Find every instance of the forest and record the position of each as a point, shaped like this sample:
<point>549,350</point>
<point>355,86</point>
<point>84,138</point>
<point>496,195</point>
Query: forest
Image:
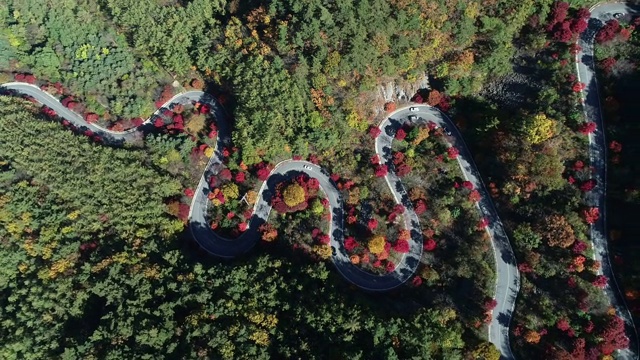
<point>94,237</point>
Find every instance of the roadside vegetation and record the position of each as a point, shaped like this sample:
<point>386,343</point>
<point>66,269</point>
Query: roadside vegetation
<point>301,81</point>
<point>619,79</point>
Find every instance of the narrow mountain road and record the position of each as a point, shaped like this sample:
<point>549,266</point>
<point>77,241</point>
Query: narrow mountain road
<point>585,68</point>
<point>228,248</point>
<point>507,274</point>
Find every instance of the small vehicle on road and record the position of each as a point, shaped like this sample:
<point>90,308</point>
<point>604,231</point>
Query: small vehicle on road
<point>618,15</point>
<point>446,130</point>
<point>306,167</point>
<point>412,118</point>
<point>413,109</point>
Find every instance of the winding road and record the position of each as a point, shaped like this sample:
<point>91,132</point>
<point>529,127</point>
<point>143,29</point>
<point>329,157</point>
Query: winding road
<point>507,275</point>
<point>507,281</point>
<point>585,68</point>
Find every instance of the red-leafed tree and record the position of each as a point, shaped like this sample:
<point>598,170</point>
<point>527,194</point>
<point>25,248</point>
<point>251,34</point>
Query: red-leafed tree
<point>263,170</point>
<point>420,207</point>
<point>189,192</point>
<point>374,131</point>
<point>434,97</point>
<point>137,121</point>
<point>587,128</point>
<point>324,239</point>
<point>165,95</point>
<point>429,245</point>
<point>372,224</point>
<point>240,177</point>
<point>400,134</point>
<point>401,246</point>
<point>381,170</point>
<point>615,146</point>
<point>474,196</point>
<point>350,243</point>
<point>579,247</point>
<point>375,159</point>
<point>558,14</point>
<point>29,79</point>
<point>614,337</point>
<point>91,117</point>
<point>600,281</point>
<point>225,174</point>
<point>563,32</point>
<point>579,86</point>
<point>588,185</point>
<point>591,215</point>
<point>578,26</point>
<point>183,212</point>
<point>608,31</point>
<point>390,106</point>
<point>403,170</point>
<point>398,158</point>
<point>158,123</point>
<point>563,324</point>
<point>608,63</point>
<point>453,153</point>
<point>197,83</point>
<point>490,304</point>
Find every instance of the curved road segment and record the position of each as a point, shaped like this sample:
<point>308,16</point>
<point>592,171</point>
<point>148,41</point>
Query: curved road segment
<point>507,281</point>
<point>585,67</point>
<point>507,274</point>
<point>227,248</point>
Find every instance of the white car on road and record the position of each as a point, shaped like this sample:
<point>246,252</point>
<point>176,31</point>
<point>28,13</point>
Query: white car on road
<point>306,167</point>
<point>413,109</point>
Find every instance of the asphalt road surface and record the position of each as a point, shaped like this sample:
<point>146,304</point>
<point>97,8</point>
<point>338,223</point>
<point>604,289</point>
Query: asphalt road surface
<point>585,69</point>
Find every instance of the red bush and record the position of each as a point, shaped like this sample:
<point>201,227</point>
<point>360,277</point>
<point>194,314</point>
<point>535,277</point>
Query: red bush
<point>608,31</point>
<point>563,324</point>
<point>429,245</point>
<point>381,170</point>
<point>189,192</point>
<point>615,146</point>
<point>579,86</point>
<point>401,246</point>
<point>225,174</point>
<point>372,224</point>
<point>420,207</point>
<point>588,185</point>
<point>350,243</point>
<point>374,131</point>
<point>390,106</point>
<point>490,304</point>
<point>401,134</point>
<point>600,281</point>
<point>587,128</point>
<point>591,215</point>
<point>453,153</point>
<point>403,170</point>
<point>240,177</point>
<point>390,266</point>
